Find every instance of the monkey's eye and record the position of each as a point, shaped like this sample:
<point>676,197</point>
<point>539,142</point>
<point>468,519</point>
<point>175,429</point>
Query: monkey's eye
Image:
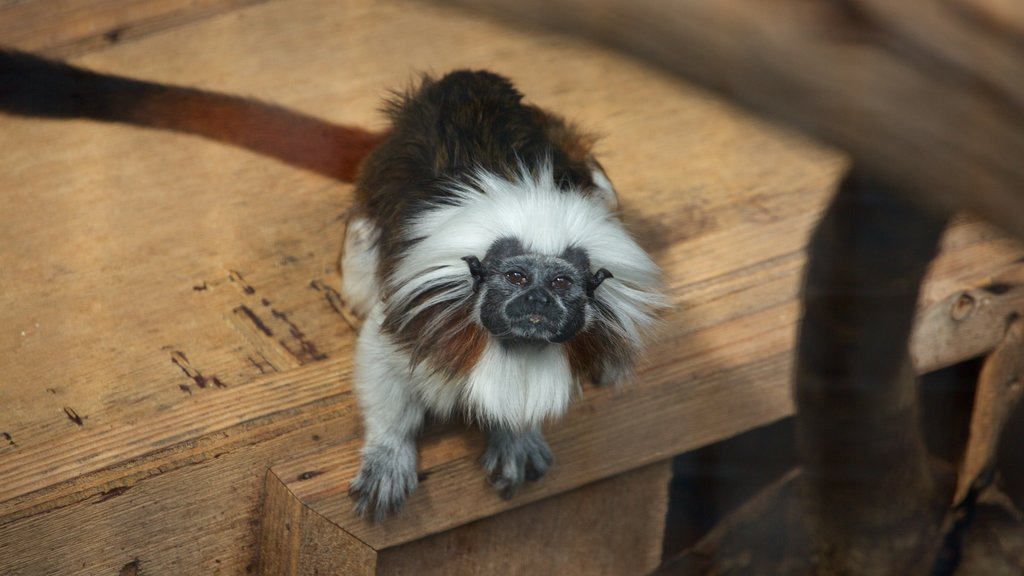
<point>516,277</point>
<point>561,283</point>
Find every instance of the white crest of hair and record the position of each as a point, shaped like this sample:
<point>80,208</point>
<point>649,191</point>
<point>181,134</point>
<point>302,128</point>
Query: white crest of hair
<point>545,220</point>
<point>519,388</point>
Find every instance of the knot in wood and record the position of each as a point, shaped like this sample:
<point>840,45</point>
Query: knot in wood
<point>962,307</point>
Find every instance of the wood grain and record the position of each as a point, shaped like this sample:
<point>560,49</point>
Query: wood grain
<point>969,322</point>
<point>130,258</point>
<point>607,528</point>
<point>295,540</point>
<point>998,393</point>
<point>613,526</point>
<point>67,27</point>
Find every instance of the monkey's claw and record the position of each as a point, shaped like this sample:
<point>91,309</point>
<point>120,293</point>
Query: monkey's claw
<point>511,459</point>
<point>383,482</point>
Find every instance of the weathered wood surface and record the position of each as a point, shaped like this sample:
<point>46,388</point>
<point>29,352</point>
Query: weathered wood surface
<point>170,325</point>
<point>613,526</point>
<point>67,27</point>
<point>926,94</point>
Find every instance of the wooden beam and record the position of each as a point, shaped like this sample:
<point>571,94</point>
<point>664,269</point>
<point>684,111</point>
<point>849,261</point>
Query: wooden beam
<point>609,527</point>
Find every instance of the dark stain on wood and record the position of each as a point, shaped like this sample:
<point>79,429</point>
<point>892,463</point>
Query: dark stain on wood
<point>308,350</point>
<point>73,416</point>
<point>112,493</point>
<point>8,438</point>
<point>200,287</point>
<point>331,295</point>
<point>309,474</point>
<point>997,288</point>
<point>185,388</point>
<point>237,277</point>
<point>179,359</point>
<point>130,569</point>
<point>262,365</point>
<point>256,320</point>
<point>113,35</point>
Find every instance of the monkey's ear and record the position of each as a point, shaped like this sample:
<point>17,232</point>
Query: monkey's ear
<point>476,270</point>
<point>603,188</point>
<point>594,281</point>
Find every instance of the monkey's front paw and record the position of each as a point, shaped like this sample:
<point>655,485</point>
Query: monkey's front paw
<point>511,459</point>
<point>383,482</point>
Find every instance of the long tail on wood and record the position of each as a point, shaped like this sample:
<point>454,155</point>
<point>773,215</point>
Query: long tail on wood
<point>37,87</point>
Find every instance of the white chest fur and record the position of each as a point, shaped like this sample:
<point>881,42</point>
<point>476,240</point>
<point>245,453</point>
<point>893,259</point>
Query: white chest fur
<point>519,387</point>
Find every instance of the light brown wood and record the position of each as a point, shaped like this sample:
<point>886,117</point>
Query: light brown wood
<point>936,31</point>
<point>613,526</point>
<point>969,322</point>
<point>1005,15</point>
<point>949,136</point>
<point>295,540</point>
<point>67,27</point>
<point>999,390</point>
<point>130,258</point>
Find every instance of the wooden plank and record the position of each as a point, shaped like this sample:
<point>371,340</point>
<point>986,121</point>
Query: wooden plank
<point>193,509</point>
<point>614,526</point>
<point>677,407</point>
<point>94,207</point>
<point>607,528</point>
<point>295,540</point>
<point>67,27</point>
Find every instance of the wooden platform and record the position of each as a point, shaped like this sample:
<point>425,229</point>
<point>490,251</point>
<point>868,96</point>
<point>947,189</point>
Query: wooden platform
<point>173,361</point>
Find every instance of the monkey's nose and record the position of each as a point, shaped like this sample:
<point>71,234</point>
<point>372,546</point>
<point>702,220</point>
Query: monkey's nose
<point>538,296</point>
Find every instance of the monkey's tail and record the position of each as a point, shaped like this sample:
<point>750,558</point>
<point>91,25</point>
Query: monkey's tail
<point>34,86</point>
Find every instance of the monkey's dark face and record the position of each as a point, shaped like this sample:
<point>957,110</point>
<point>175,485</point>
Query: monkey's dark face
<point>525,296</point>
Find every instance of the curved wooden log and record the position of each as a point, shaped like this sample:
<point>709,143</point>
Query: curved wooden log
<point>918,118</point>
<point>872,506</point>
<point>943,34</point>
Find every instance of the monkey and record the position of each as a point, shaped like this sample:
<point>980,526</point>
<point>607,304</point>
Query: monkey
<point>484,250</point>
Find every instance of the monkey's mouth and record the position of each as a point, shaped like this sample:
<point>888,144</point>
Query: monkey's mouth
<point>534,326</point>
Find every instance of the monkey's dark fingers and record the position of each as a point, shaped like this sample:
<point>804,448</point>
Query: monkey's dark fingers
<point>511,459</point>
<point>381,488</point>
<point>538,461</point>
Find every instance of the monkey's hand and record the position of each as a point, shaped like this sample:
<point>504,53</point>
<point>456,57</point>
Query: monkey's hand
<point>387,476</point>
<point>513,457</point>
